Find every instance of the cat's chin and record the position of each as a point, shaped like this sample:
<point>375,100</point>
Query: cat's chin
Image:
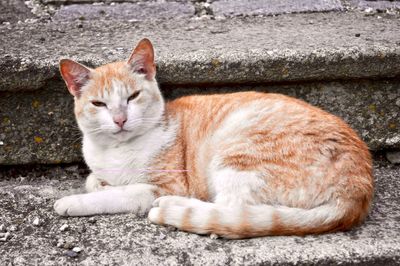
<point>123,135</point>
<point>121,132</point>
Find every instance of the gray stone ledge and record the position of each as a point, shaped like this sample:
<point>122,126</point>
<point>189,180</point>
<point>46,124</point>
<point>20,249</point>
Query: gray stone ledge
<point>272,7</point>
<point>14,10</point>
<point>126,11</point>
<point>39,126</point>
<point>293,47</point>
<point>129,240</point>
<point>380,5</point>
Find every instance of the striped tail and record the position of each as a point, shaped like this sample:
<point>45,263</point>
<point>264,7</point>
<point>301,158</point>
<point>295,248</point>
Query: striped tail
<point>200,217</point>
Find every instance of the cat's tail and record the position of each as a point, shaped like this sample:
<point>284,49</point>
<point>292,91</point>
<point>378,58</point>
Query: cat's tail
<point>255,220</point>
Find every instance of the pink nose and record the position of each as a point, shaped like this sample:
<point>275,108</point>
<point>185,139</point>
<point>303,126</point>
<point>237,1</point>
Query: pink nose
<point>120,120</point>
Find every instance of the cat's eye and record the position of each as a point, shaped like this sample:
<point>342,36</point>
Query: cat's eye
<point>134,96</point>
<point>141,70</point>
<point>99,104</point>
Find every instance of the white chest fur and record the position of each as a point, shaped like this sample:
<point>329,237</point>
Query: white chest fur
<point>126,162</point>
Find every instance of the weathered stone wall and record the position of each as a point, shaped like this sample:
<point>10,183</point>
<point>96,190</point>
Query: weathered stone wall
<point>39,127</point>
<point>345,61</point>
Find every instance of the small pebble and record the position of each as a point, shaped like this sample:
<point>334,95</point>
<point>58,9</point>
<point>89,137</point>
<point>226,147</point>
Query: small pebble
<point>162,236</point>
<point>68,245</point>
<point>12,228</point>
<point>398,102</point>
<point>1,143</point>
<point>77,249</point>
<point>71,254</point>
<point>393,157</point>
<point>64,227</point>
<point>170,228</point>
<point>4,236</point>
<point>369,10</point>
<point>36,221</point>
<point>213,236</point>
<point>60,243</point>
<point>72,168</point>
<point>2,228</point>
<point>357,34</point>
<point>92,220</point>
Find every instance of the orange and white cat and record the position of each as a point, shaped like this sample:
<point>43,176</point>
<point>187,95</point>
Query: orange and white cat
<point>237,165</point>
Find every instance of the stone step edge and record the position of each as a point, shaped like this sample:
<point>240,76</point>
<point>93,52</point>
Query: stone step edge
<point>251,67</point>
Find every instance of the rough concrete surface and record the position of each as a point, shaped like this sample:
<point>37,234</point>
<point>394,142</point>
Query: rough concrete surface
<point>375,5</point>
<point>67,2</point>
<point>13,11</point>
<point>201,48</point>
<point>36,236</point>
<point>48,132</point>
<point>294,47</point>
<point>393,157</point>
<point>125,11</point>
<point>272,7</point>
<point>372,108</point>
<point>38,127</point>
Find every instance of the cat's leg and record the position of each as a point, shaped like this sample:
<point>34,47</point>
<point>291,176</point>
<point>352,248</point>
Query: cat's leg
<point>232,191</point>
<point>136,198</point>
<point>240,210</point>
<point>229,187</point>
<point>187,214</point>
<point>94,184</point>
<point>235,188</point>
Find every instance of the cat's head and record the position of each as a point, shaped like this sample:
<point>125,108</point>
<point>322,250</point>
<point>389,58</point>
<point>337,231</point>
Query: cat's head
<point>117,101</point>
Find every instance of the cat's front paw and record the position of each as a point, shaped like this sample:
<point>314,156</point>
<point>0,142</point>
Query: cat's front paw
<point>69,206</point>
<point>170,209</point>
<point>171,200</point>
<point>94,184</point>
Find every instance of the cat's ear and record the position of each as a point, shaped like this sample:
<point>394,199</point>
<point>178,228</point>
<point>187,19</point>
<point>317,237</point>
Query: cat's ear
<point>142,59</point>
<point>75,75</point>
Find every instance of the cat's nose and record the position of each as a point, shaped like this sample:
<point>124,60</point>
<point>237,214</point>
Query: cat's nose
<point>120,120</point>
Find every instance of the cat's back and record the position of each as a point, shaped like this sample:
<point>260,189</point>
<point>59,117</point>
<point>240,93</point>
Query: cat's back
<point>209,105</point>
<point>255,118</point>
<point>247,108</point>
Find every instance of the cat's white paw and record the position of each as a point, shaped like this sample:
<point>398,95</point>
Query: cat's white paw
<point>171,200</point>
<point>93,184</point>
<point>70,206</point>
<point>154,216</point>
<point>167,208</point>
<point>170,209</point>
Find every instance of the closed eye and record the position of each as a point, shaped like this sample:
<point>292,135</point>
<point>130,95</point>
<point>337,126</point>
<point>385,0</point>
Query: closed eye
<point>133,96</point>
<point>99,104</point>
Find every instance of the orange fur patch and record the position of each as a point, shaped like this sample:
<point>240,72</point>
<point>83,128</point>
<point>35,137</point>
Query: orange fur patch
<point>314,142</point>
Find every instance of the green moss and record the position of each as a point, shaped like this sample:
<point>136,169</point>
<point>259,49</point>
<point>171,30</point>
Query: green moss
<point>216,63</point>
<point>372,107</point>
<point>35,104</point>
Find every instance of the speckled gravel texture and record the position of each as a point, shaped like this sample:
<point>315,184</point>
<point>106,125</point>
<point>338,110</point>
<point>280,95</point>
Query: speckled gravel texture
<point>345,61</point>
<point>49,134</point>
<point>292,47</point>
<point>27,194</point>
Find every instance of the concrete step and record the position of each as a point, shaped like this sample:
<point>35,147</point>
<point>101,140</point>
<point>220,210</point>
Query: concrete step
<point>294,47</point>
<point>130,240</point>
<point>48,132</point>
<point>345,61</point>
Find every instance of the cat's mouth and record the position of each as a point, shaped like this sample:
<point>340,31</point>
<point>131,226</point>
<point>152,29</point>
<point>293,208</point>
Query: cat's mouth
<point>120,131</point>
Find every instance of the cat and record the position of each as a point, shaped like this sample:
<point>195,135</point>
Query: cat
<point>237,165</point>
